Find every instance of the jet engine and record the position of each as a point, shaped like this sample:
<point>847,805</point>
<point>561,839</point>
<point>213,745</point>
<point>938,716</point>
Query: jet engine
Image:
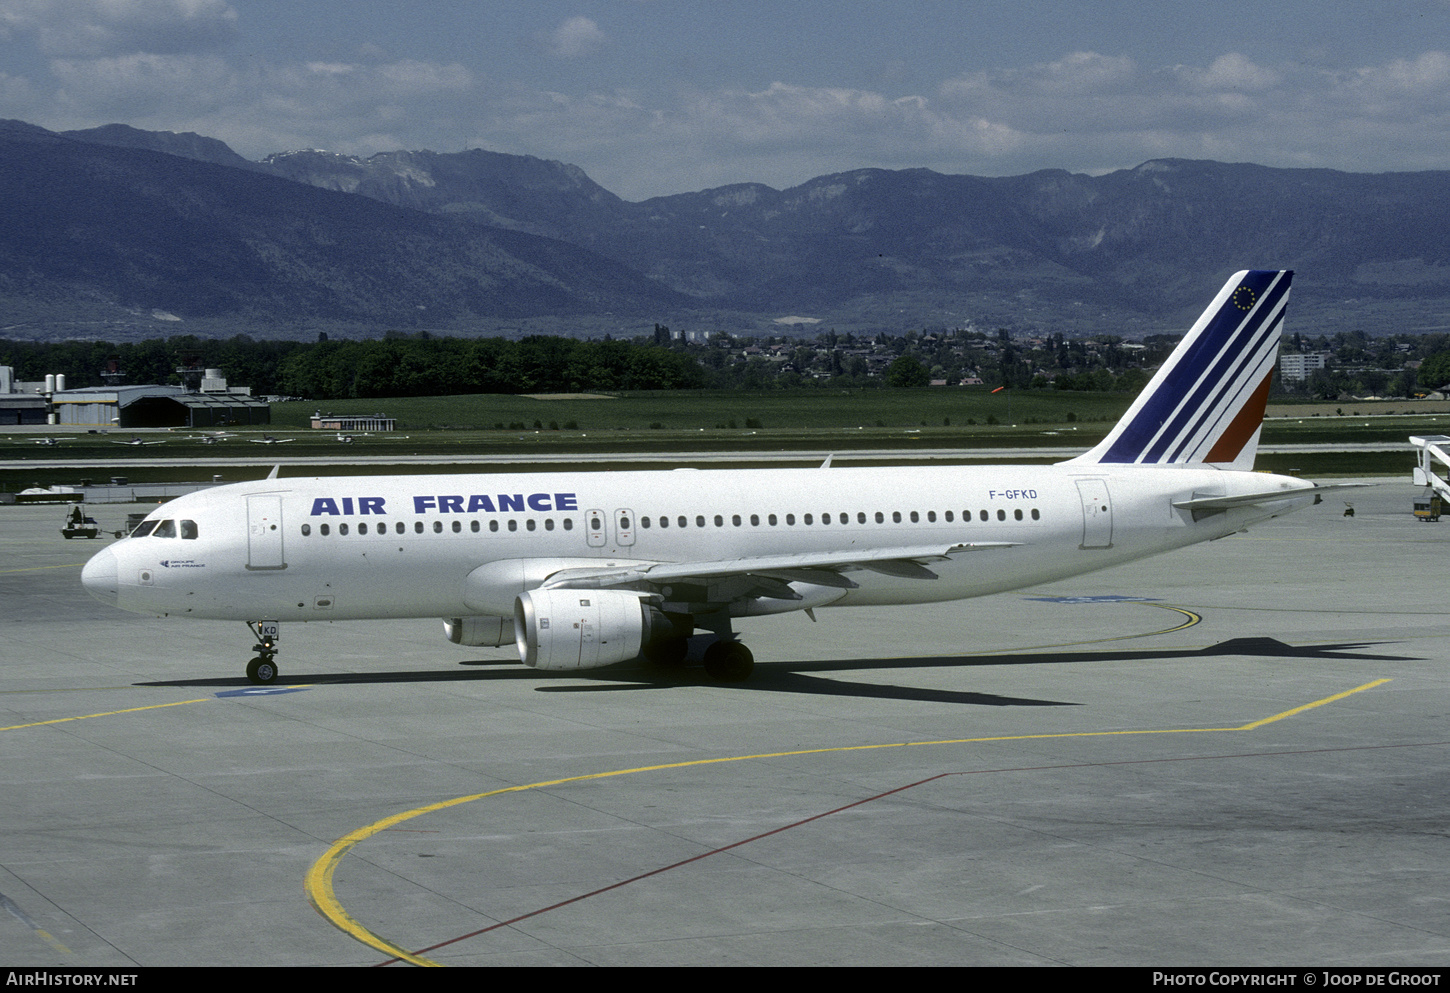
<point>479,632</point>
<point>582,629</point>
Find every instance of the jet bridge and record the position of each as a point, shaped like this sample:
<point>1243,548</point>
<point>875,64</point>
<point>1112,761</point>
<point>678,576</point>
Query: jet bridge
<point>1433,448</point>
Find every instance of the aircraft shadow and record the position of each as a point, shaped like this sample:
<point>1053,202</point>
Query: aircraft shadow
<point>797,677</point>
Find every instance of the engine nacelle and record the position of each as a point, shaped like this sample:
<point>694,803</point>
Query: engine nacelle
<point>580,629</point>
<point>479,632</point>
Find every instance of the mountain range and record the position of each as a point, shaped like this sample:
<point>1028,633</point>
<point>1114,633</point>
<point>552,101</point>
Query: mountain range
<point>109,230</point>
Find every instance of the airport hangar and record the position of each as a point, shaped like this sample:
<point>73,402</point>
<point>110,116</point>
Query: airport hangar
<point>157,407</point>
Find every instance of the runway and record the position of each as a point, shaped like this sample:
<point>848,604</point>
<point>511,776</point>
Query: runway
<point>807,456</point>
<point>1232,754</point>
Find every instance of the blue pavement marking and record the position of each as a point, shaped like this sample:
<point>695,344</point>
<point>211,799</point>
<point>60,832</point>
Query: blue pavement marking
<point>263,691</point>
<point>1104,598</point>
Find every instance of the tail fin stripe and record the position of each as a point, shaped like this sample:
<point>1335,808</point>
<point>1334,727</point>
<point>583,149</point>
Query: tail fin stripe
<point>1237,384</point>
<point>1221,343</point>
<point>1237,435</point>
<point>1237,349</point>
<point>1242,381</point>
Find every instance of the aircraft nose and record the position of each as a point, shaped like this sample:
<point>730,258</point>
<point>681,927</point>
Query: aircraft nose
<point>99,576</point>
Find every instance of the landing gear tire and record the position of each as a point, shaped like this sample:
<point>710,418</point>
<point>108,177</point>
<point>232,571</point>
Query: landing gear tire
<point>729,662</point>
<point>667,654</point>
<point>262,671</point>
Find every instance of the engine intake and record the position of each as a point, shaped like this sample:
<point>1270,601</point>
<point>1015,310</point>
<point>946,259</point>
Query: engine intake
<point>583,629</point>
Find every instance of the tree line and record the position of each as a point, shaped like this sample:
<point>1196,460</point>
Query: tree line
<point>396,365</point>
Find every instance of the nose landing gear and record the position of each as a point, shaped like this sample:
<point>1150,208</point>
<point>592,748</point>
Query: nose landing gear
<point>262,670</point>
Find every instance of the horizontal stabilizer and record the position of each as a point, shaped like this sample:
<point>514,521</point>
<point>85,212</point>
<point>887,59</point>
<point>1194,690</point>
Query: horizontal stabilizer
<point>1211,503</point>
<point>1242,500</point>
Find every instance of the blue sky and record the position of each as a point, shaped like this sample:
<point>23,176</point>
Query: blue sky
<point>652,97</point>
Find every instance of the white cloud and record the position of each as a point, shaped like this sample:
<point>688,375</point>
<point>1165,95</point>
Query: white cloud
<point>578,36</point>
<point>114,27</point>
<point>143,84</point>
<point>1085,111</point>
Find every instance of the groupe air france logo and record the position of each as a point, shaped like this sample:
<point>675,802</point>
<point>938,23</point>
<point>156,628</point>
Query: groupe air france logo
<point>1244,298</point>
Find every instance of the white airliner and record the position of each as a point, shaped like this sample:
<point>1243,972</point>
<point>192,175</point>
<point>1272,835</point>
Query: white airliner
<point>587,569</point>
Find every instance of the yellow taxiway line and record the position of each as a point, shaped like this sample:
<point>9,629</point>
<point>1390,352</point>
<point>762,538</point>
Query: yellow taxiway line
<point>108,713</point>
<point>319,878</point>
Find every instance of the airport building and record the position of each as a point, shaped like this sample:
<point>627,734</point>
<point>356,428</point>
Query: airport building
<point>19,405</point>
<point>49,402</point>
<point>157,407</point>
<point>1298,365</point>
<point>352,422</point>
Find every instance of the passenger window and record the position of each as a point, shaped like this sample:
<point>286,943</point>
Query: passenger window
<point>755,520</point>
<point>771,520</point>
<point>493,525</point>
<point>568,524</point>
<point>437,527</point>
<point>1001,515</point>
<point>322,529</point>
<point>915,517</point>
<point>790,518</point>
<point>949,517</point>
<point>166,529</point>
<point>530,525</point>
<point>931,516</point>
<point>513,525</point>
<point>399,528</point>
<point>984,515</point>
<point>664,522</point>
<point>362,528</point>
<point>1017,513</point>
<point>188,529</point>
<point>699,520</point>
<point>806,519</point>
<point>683,521</point>
<point>643,523</point>
<point>306,530</point>
<point>457,526</point>
<point>417,527</point>
<point>880,517</point>
<point>861,518</point>
<point>735,520</point>
<point>1035,514</point>
<point>342,529</point>
<point>719,521</point>
<point>896,517</point>
<point>473,525</point>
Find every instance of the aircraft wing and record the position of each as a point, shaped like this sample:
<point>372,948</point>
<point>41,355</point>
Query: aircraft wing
<point>820,568</point>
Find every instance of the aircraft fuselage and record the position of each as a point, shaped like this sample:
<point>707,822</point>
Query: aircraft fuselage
<point>406,546</point>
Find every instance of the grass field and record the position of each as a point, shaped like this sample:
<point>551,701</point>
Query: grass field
<point>709,421</point>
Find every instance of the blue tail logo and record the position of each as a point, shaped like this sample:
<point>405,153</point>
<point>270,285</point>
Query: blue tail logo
<point>1206,404</point>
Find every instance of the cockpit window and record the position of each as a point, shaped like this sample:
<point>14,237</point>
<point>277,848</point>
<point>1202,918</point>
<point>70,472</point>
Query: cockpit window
<point>188,529</point>
<point>143,529</point>
<point>166,529</point>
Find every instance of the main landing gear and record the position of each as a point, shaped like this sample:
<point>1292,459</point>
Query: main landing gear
<point>729,661</point>
<point>262,670</point>
<point>725,661</point>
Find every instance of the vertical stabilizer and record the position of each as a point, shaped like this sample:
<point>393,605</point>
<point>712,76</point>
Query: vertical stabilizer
<point>1206,404</point>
